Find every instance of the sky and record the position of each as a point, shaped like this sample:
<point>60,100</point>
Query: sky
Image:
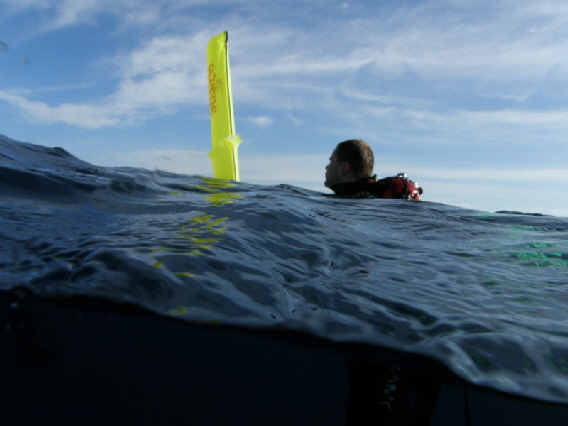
<point>468,97</point>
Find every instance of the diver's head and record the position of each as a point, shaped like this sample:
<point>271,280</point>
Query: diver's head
<point>350,161</point>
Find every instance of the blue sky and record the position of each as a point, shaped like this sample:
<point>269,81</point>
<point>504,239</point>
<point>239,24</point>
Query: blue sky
<point>469,98</point>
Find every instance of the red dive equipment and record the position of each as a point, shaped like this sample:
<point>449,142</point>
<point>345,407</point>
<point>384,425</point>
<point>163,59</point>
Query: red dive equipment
<point>398,186</point>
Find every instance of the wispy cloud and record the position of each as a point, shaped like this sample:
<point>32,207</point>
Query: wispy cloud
<point>83,115</point>
<point>152,80</point>
<point>170,160</point>
<point>433,65</point>
<point>261,121</point>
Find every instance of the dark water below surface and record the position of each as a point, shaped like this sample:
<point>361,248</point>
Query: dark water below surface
<point>483,293</point>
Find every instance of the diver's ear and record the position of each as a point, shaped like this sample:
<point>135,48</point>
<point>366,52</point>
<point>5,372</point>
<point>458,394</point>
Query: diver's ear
<point>344,168</point>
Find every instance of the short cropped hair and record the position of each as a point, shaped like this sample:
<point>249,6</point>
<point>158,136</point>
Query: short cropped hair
<point>359,156</point>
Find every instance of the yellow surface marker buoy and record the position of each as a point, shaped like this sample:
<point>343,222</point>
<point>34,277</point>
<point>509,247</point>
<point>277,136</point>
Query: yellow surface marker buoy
<point>224,153</point>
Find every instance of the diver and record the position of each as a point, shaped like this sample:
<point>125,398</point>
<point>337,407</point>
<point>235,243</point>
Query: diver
<point>380,393</point>
<point>349,175</point>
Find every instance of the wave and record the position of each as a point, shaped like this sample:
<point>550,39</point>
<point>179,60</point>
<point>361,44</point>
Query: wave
<point>483,293</point>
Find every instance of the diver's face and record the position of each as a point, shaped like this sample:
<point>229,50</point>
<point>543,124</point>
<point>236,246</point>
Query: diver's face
<point>332,171</point>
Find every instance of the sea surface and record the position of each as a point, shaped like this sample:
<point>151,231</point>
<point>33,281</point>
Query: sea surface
<point>486,294</point>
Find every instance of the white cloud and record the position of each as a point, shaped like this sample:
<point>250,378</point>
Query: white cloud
<point>476,119</point>
<point>89,116</point>
<point>154,79</point>
<point>169,160</point>
<point>495,175</point>
<point>261,121</point>
<point>504,52</point>
<point>58,14</point>
<point>283,169</point>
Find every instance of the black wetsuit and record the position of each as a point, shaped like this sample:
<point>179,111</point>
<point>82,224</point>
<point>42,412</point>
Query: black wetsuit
<point>370,187</point>
<point>362,188</point>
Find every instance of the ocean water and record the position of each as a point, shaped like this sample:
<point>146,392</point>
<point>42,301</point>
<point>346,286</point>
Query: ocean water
<point>483,293</point>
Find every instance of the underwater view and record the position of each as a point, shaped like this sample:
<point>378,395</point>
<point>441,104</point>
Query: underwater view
<point>482,293</point>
